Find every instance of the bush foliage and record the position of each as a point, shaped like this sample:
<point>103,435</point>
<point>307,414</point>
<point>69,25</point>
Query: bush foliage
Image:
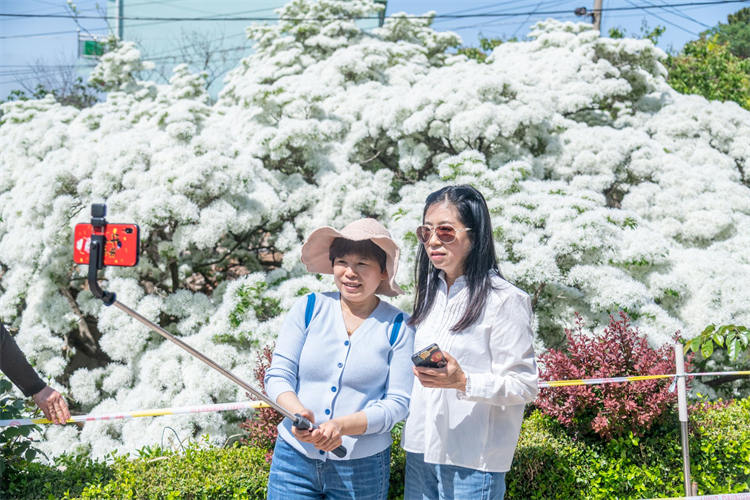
<point>261,426</point>
<point>549,463</point>
<point>707,67</point>
<point>215,473</point>
<point>67,475</point>
<point>15,443</point>
<point>609,410</point>
<point>607,190</point>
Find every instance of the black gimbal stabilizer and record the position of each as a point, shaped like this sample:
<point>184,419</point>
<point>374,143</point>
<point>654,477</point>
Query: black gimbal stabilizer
<point>96,262</point>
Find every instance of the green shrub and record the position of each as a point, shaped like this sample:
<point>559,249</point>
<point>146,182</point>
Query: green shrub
<point>15,444</point>
<point>720,456</point>
<point>69,475</point>
<point>549,463</point>
<point>398,465</point>
<point>205,473</point>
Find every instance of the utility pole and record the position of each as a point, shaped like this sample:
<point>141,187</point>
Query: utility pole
<point>381,14</point>
<point>120,7</point>
<point>683,416</point>
<point>597,15</point>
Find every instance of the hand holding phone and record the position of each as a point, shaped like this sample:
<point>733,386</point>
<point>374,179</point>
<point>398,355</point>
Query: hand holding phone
<point>429,357</point>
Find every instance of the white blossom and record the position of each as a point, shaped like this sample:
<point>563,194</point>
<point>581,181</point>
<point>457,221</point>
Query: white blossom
<point>607,191</point>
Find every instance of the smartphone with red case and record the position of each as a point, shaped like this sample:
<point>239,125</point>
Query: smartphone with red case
<point>429,357</point>
<point>121,244</point>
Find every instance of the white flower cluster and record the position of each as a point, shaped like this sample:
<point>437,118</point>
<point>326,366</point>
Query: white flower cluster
<point>607,189</point>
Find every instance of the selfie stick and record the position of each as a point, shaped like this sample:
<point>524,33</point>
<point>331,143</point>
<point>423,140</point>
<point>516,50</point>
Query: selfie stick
<point>96,262</point>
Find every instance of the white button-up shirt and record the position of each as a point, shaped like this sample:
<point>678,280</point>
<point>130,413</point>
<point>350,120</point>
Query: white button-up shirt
<point>478,428</point>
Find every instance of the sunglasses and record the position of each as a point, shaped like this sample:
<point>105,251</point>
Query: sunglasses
<point>444,232</point>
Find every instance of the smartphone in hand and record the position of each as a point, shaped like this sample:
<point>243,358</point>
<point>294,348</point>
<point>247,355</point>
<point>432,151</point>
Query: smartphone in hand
<point>429,357</point>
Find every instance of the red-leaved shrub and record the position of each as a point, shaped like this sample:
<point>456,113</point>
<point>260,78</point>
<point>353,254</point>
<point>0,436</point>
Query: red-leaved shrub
<point>261,427</point>
<point>608,410</point>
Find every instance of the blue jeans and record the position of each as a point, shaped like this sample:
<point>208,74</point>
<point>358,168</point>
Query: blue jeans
<point>294,475</point>
<point>435,481</point>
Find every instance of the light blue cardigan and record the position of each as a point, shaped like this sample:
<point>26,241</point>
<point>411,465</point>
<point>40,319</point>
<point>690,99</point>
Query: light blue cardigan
<point>334,374</point>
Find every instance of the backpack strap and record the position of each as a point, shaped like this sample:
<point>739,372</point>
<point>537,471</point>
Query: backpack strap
<point>309,309</point>
<point>396,328</point>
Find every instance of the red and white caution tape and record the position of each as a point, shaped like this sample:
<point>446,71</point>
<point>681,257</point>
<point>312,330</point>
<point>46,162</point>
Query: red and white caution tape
<point>155,412</point>
<point>636,378</point>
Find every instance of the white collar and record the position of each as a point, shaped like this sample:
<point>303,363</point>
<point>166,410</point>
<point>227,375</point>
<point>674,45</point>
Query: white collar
<point>457,285</point>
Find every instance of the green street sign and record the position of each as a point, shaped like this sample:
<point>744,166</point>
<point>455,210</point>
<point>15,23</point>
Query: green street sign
<point>92,48</point>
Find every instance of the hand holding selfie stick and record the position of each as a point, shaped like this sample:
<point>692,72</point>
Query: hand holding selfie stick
<point>96,262</point>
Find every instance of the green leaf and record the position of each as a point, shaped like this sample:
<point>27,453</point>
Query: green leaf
<point>733,349</point>
<point>695,344</point>
<point>5,385</point>
<point>708,330</point>
<point>730,337</point>
<point>718,339</point>
<point>707,349</point>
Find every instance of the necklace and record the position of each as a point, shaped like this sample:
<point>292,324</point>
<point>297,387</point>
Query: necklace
<point>357,318</point>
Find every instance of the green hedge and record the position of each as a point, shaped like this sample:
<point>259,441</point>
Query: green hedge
<point>551,464</point>
<point>68,474</point>
<point>205,473</point>
<point>548,464</point>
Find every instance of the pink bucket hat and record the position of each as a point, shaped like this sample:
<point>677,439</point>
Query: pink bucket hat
<point>315,251</point>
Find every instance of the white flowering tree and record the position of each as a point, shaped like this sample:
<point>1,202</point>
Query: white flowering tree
<point>608,191</point>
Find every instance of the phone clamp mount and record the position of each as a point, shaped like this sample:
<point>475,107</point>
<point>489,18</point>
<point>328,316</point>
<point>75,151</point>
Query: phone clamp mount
<point>96,253</point>
<point>96,262</point>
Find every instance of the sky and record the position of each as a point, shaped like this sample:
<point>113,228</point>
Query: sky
<point>51,43</point>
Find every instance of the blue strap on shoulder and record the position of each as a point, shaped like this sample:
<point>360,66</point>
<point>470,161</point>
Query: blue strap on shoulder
<point>309,309</point>
<point>396,328</point>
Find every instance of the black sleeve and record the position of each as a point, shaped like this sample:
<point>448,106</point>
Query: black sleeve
<point>14,365</point>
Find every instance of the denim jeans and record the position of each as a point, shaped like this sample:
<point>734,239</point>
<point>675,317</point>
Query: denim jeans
<point>435,481</point>
<point>294,475</point>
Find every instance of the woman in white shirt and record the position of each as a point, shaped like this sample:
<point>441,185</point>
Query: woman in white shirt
<point>465,418</point>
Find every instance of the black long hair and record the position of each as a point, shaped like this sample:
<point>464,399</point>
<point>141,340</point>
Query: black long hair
<point>481,262</point>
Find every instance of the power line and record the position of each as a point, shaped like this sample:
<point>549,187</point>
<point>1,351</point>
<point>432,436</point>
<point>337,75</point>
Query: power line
<point>493,5</point>
<point>526,20</point>
<point>436,16</point>
<point>667,21</point>
<point>504,22</point>
<point>50,33</point>
<point>104,18</point>
<point>97,8</point>
<point>678,13</point>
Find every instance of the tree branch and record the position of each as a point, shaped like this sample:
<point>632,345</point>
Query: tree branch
<point>725,379</point>
<point>87,339</point>
<point>175,275</point>
<point>537,293</point>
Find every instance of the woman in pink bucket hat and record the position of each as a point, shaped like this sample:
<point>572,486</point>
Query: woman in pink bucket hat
<point>343,361</point>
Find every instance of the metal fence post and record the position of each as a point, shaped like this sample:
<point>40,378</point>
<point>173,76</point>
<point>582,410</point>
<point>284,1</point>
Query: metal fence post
<point>683,413</point>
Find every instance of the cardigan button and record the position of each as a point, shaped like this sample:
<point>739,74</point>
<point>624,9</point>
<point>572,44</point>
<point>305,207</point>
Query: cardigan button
<point>333,389</point>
